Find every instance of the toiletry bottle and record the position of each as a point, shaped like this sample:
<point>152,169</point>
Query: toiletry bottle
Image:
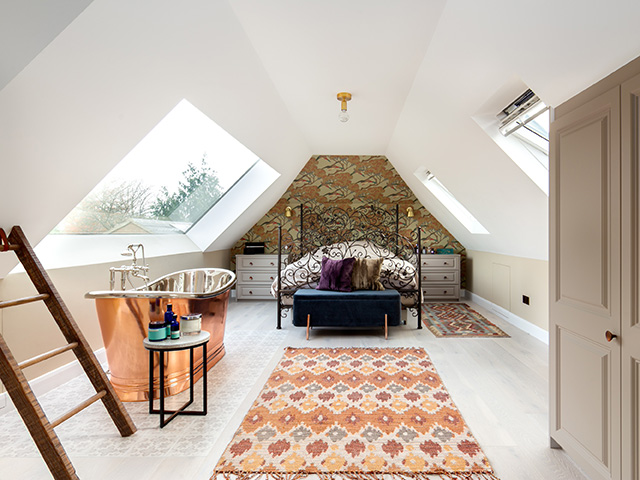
<point>175,328</point>
<point>157,331</point>
<point>168,318</point>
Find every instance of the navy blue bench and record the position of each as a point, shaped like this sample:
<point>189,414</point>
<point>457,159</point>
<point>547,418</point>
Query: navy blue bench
<point>362,308</point>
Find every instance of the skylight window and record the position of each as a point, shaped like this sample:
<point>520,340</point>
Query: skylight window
<point>524,124</point>
<point>168,182</point>
<point>447,199</point>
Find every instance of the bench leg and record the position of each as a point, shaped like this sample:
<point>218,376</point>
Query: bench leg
<point>385,327</point>
<point>308,324</point>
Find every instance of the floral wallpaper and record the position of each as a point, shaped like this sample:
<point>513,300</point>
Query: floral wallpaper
<point>347,181</point>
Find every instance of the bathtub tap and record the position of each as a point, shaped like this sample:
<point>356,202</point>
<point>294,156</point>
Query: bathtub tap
<point>134,269</point>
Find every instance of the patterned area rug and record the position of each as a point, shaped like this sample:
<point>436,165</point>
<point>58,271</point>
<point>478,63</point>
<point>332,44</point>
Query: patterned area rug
<point>458,320</point>
<point>357,414</point>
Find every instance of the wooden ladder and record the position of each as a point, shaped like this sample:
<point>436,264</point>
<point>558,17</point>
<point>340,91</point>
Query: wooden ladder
<point>41,429</point>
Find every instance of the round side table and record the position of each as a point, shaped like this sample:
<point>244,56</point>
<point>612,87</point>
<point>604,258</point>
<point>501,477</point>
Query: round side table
<point>183,343</point>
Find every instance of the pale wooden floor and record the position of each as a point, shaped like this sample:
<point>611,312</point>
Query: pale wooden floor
<point>500,386</point>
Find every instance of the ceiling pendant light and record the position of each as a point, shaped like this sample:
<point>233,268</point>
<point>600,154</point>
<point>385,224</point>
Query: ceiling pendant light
<point>344,97</point>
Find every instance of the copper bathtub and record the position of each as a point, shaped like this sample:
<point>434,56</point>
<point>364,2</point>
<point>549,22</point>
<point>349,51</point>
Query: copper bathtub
<point>124,317</point>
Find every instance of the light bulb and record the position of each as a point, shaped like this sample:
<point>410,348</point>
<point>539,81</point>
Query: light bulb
<point>343,116</point>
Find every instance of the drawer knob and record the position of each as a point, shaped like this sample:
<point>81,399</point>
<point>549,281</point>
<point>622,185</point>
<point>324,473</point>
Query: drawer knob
<point>272,263</point>
<point>250,278</point>
<point>250,263</point>
<point>446,263</point>
<point>445,291</point>
<point>250,292</point>
<point>445,277</point>
<point>270,278</point>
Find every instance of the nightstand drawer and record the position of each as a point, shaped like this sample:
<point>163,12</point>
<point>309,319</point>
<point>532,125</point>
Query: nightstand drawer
<point>257,261</point>
<point>441,277</point>
<point>440,261</point>
<point>256,277</point>
<point>261,292</point>
<point>452,291</point>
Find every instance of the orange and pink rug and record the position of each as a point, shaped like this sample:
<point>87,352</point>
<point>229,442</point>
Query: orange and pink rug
<point>354,413</point>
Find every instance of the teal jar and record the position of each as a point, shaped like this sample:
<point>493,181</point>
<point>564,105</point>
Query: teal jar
<point>157,331</point>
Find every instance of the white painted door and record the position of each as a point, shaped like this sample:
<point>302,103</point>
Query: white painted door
<point>630,336</point>
<point>584,269</point>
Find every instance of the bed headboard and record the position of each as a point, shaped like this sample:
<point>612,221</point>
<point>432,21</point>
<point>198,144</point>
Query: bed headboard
<point>322,226</point>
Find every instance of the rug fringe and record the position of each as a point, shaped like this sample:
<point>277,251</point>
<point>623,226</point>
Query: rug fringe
<point>354,348</point>
<point>239,475</point>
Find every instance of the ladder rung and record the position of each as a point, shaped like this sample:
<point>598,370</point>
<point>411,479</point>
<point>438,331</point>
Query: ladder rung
<point>78,409</point>
<point>48,355</point>
<point>22,301</point>
<point>11,247</point>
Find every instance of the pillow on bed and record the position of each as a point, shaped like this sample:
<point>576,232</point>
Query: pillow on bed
<point>366,274</point>
<point>336,274</point>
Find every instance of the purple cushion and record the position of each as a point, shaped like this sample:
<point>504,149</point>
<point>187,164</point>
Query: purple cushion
<point>336,274</point>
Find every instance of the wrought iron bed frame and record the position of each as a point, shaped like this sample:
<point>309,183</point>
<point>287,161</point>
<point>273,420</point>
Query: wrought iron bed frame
<point>322,227</point>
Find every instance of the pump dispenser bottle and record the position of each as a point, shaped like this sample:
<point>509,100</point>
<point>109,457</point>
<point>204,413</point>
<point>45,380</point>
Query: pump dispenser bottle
<point>168,319</point>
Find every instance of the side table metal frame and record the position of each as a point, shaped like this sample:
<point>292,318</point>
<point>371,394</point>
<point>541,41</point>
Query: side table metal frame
<point>181,410</point>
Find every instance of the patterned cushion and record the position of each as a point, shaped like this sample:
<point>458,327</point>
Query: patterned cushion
<point>366,274</point>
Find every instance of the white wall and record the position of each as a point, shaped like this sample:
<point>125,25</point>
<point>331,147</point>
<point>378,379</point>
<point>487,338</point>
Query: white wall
<point>87,99</point>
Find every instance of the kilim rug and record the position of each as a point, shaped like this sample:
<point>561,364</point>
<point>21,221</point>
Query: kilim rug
<point>357,414</point>
<point>458,320</point>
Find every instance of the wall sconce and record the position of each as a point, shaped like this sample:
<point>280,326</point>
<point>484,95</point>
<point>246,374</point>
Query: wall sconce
<point>288,212</point>
<point>410,212</point>
<point>344,97</point>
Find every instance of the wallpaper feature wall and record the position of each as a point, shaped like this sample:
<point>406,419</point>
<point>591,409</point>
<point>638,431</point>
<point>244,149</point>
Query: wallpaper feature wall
<point>347,181</point>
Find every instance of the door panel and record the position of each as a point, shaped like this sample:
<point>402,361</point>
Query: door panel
<point>630,333</point>
<point>584,280</point>
<point>583,211</point>
<point>587,360</point>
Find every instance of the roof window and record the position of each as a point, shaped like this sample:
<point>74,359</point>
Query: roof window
<point>177,173</point>
<point>450,202</point>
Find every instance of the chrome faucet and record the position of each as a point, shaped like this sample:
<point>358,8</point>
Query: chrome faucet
<point>135,270</point>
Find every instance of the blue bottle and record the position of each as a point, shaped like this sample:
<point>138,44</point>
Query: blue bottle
<point>168,318</point>
<point>175,328</point>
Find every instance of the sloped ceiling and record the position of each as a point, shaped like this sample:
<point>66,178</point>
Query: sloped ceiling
<point>27,27</point>
<point>268,72</point>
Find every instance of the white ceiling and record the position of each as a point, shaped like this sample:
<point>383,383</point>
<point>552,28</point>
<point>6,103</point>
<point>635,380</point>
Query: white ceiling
<point>313,50</point>
<point>75,100</point>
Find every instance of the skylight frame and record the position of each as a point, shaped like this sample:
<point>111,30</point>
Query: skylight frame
<point>450,202</point>
<point>530,156</point>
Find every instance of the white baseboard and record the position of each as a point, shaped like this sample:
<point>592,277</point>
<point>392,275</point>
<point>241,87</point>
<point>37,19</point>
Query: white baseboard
<point>53,379</point>
<point>524,325</point>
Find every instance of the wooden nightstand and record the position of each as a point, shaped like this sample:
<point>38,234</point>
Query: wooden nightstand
<point>440,279</point>
<point>255,275</point>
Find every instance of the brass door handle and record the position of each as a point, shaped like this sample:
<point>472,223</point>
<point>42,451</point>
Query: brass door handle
<point>609,336</point>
